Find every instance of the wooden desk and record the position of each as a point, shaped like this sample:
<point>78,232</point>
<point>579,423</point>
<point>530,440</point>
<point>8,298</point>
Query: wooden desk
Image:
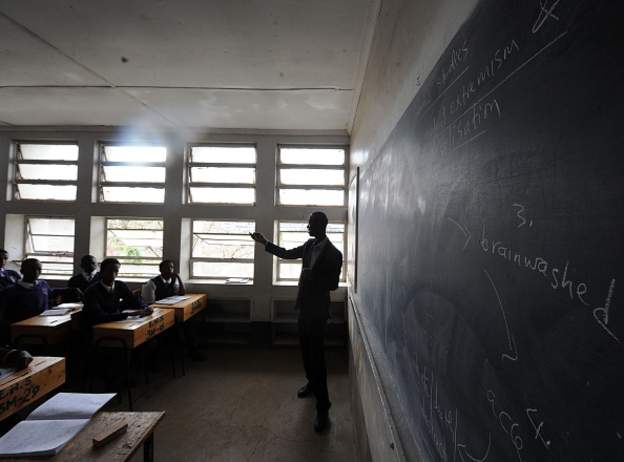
<point>49,330</point>
<point>141,427</point>
<point>21,388</point>
<point>130,333</point>
<point>187,308</point>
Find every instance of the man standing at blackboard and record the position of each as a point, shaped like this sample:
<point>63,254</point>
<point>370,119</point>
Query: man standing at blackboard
<point>320,274</point>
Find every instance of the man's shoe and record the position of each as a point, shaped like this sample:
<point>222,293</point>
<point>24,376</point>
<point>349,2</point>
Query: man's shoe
<point>304,391</point>
<point>321,422</point>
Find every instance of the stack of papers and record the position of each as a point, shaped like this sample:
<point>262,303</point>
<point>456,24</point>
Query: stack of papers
<point>52,425</point>
<point>172,300</point>
<point>56,312</point>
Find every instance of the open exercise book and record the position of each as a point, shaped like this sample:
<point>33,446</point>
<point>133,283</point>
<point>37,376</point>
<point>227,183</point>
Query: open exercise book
<point>52,425</point>
<point>62,309</point>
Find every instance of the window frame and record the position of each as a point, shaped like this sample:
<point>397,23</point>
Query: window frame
<point>40,256</point>
<point>279,166</point>
<point>15,181</point>
<point>118,257</point>
<point>277,262</point>
<point>189,164</point>
<point>192,259</point>
<point>101,163</point>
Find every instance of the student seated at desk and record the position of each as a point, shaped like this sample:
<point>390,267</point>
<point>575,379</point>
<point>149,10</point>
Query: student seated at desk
<point>88,274</point>
<point>31,296</point>
<point>111,300</point>
<point>167,284</point>
<point>8,277</point>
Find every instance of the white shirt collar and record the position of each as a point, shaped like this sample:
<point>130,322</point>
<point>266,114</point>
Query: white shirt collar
<point>166,281</point>
<point>88,276</point>
<point>108,288</point>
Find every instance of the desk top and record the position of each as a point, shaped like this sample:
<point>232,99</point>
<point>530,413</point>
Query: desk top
<point>21,388</point>
<point>136,331</point>
<point>140,426</point>
<point>187,308</point>
<point>47,321</point>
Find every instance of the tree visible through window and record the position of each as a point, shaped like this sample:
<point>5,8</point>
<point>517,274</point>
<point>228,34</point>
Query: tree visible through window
<point>222,251</point>
<point>137,244</point>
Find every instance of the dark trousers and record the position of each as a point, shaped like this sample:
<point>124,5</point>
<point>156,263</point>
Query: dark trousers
<point>312,341</point>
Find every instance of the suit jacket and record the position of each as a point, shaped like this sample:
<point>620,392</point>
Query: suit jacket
<point>103,306</point>
<point>317,278</point>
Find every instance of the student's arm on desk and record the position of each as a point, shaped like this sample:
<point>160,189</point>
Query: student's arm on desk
<point>132,304</point>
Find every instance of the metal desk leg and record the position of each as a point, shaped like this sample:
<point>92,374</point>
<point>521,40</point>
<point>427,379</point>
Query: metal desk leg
<point>148,448</point>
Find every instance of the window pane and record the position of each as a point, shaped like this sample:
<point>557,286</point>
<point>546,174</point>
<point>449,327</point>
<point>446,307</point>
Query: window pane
<point>313,156</point>
<point>48,151</point>
<point>141,174</point>
<point>310,197</point>
<point>129,194</point>
<point>222,239</point>
<point>312,177</point>
<point>222,270</point>
<point>138,270</point>
<point>223,227</point>
<point>46,192</point>
<point>135,153</point>
<point>47,172</point>
<point>223,175</point>
<point>289,270</point>
<point>140,239</point>
<point>223,195</point>
<point>58,226</point>
<point>224,154</point>
<point>50,244</point>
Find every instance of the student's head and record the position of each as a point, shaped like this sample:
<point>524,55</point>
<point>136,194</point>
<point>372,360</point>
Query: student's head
<point>4,257</point>
<point>109,269</point>
<point>88,264</point>
<point>167,268</point>
<point>30,269</point>
<point>317,224</point>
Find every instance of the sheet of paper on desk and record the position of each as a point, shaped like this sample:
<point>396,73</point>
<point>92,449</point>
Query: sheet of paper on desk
<point>56,312</point>
<point>39,437</point>
<point>6,371</point>
<point>71,306</point>
<point>71,406</point>
<point>172,300</point>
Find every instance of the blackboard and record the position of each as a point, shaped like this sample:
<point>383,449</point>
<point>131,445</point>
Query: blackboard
<point>491,237</point>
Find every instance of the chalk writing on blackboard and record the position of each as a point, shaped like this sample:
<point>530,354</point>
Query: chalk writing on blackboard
<point>546,12</point>
<point>511,343</point>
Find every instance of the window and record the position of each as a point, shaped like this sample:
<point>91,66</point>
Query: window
<point>51,241</point>
<point>222,251</point>
<point>137,244</point>
<point>221,174</point>
<point>311,176</point>
<point>294,234</point>
<point>132,174</point>
<point>45,171</point>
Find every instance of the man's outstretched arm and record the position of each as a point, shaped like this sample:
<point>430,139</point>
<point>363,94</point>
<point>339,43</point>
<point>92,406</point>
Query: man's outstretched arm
<point>290,254</point>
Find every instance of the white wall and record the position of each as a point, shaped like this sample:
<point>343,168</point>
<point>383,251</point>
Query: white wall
<point>89,238</point>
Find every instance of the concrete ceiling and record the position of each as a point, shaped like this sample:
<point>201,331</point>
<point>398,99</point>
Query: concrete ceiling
<point>267,64</point>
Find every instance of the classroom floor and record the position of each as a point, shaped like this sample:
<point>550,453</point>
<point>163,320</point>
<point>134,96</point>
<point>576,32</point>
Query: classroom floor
<point>240,405</point>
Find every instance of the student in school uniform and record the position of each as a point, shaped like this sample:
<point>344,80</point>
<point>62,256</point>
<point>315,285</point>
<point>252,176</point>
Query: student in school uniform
<point>31,296</point>
<point>320,274</point>
<point>8,277</point>
<point>109,299</point>
<point>167,284</point>
<point>88,274</point>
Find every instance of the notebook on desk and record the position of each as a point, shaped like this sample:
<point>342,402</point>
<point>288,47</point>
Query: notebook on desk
<point>172,300</point>
<point>52,425</point>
